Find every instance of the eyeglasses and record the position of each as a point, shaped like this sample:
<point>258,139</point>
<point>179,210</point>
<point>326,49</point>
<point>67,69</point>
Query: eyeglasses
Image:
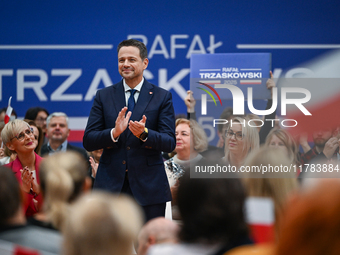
<point>238,135</point>
<point>22,135</point>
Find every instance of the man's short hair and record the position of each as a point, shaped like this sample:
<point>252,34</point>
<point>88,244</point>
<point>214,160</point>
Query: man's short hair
<point>56,114</point>
<point>143,52</point>
<point>10,196</point>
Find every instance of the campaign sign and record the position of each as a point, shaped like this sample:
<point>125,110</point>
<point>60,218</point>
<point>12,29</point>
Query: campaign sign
<point>224,80</point>
<point>243,70</point>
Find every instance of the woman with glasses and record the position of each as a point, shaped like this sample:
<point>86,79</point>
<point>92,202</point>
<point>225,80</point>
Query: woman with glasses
<point>240,139</point>
<point>18,136</point>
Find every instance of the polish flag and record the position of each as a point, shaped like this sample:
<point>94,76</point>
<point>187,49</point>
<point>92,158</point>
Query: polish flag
<point>323,84</point>
<point>8,111</point>
<point>260,216</point>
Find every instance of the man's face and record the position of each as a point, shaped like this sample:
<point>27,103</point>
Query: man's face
<point>57,129</point>
<point>130,64</point>
<point>321,137</point>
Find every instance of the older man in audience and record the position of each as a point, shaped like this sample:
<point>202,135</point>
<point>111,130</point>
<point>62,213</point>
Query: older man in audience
<point>57,133</point>
<point>156,231</point>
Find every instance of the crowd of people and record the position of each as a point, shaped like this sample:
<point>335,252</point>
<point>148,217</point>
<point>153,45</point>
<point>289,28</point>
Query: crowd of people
<point>132,192</point>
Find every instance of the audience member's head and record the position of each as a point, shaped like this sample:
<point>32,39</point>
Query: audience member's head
<point>282,139</point>
<point>270,182</point>
<point>240,140</point>
<point>11,212</point>
<point>156,231</point>
<point>199,137</point>
<point>212,210</point>
<point>38,115</point>
<point>320,137</point>
<point>38,135</point>
<point>311,222</point>
<point>101,223</point>
<point>14,136</point>
<point>57,127</point>
<point>63,177</point>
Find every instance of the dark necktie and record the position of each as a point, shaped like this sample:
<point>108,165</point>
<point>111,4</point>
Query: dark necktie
<point>131,102</point>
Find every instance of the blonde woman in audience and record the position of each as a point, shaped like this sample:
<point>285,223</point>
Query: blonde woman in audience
<point>240,140</point>
<point>63,178</point>
<point>277,185</point>
<point>18,136</point>
<point>101,223</point>
<point>282,139</point>
<point>190,141</point>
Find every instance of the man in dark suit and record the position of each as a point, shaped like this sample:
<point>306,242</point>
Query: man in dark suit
<point>57,134</point>
<point>133,138</point>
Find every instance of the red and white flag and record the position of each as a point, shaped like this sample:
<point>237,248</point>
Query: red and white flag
<point>323,83</point>
<point>8,111</point>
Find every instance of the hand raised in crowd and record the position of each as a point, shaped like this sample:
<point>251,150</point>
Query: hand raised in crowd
<point>330,147</point>
<point>303,141</point>
<point>27,179</point>
<point>190,102</point>
<point>94,166</point>
<point>271,83</point>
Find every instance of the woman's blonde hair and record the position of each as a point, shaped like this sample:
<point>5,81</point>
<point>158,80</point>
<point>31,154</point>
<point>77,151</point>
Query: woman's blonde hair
<point>251,139</point>
<point>102,223</point>
<point>62,178</point>
<point>287,140</point>
<point>199,136</point>
<point>260,184</point>
<point>12,128</point>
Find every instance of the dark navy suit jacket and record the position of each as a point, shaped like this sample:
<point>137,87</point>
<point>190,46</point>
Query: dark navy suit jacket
<point>143,160</point>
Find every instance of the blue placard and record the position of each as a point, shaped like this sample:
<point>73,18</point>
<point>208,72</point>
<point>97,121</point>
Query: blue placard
<point>243,70</point>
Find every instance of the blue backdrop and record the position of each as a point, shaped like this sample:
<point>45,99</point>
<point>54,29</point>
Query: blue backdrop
<point>56,54</point>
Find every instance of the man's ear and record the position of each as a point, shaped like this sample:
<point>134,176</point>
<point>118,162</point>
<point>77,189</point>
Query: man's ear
<point>151,240</point>
<point>146,63</point>
<point>68,133</point>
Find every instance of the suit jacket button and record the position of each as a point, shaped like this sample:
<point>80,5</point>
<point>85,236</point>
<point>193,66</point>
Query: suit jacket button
<point>124,162</point>
<point>128,148</point>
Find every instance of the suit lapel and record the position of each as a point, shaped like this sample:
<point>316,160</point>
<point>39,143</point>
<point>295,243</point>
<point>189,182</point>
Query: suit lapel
<point>118,96</point>
<point>144,99</point>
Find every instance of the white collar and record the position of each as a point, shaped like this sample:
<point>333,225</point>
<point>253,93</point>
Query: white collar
<point>138,87</point>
